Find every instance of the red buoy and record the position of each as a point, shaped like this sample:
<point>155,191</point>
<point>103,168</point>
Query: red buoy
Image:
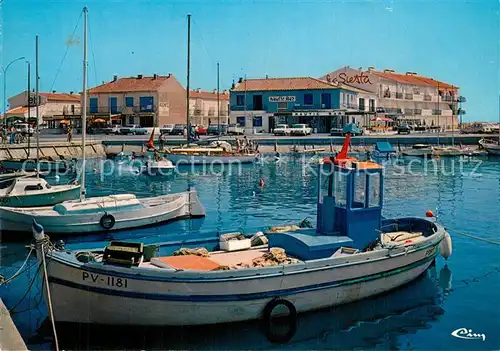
<point>261,182</point>
<point>429,213</point>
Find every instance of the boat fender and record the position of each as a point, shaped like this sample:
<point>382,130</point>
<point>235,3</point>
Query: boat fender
<point>107,221</point>
<point>291,319</point>
<point>445,246</point>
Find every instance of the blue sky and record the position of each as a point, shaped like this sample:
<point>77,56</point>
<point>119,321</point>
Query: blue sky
<point>453,41</point>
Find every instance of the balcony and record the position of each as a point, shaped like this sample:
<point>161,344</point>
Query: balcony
<point>427,98</point>
<point>417,111</point>
<point>408,96</point>
<point>436,112</point>
<point>399,95</point>
<point>68,110</point>
<point>447,98</point>
<point>409,111</point>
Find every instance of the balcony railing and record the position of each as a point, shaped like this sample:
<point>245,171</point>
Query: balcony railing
<point>417,111</point>
<point>427,98</point>
<point>409,111</point>
<point>409,96</point>
<point>399,95</point>
<point>126,110</point>
<point>68,111</point>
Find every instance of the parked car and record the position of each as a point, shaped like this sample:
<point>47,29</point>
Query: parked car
<point>282,129</point>
<point>235,129</point>
<point>300,129</point>
<point>113,129</point>
<point>353,129</point>
<point>217,129</point>
<point>404,129</point>
<point>337,132</point>
<point>166,129</point>
<point>178,129</point>
<point>202,130</point>
<point>133,129</point>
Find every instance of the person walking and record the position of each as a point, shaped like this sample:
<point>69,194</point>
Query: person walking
<point>70,134</point>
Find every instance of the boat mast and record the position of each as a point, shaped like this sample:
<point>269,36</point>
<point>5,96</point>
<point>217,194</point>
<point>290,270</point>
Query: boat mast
<point>29,106</point>
<point>218,108</point>
<point>188,126</point>
<point>84,102</point>
<point>37,101</point>
<point>452,119</point>
<point>437,111</point>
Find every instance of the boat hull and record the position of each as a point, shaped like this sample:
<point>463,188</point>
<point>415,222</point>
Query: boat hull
<point>118,298</point>
<point>491,148</point>
<point>42,198</point>
<point>30,165</point>
<point>160,209</point>
<point>182,159</point>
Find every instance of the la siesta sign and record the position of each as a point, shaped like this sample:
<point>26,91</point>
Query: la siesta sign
<point>344,78</point>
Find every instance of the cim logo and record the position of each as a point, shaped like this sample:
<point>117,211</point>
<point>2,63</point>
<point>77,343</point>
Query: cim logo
<point>464,333</point>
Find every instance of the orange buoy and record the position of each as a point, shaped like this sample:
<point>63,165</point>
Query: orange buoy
<point>429,213</point>
<point>261,182</point>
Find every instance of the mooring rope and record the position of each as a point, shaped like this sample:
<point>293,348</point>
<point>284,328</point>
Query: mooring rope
<point>477,238</point>
<point>19,271</point>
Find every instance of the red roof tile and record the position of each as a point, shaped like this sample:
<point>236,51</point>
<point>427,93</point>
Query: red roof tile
<point>413,79</point>
<point>271,84</point>
<point>61,97</point>
<point>19,109</point>
<point>124,85</point>
<point>208,95</point>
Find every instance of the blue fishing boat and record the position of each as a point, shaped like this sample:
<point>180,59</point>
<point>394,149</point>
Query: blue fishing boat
<point>352,253</point>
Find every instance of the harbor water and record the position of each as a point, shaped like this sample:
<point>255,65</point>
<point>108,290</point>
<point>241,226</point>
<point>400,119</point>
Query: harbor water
<point>459,293</point>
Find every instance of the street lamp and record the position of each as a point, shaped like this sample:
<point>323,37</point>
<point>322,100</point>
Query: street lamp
<point>5,85</point>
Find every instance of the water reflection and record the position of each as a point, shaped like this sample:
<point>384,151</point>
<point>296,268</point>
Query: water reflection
<point>364,324</point>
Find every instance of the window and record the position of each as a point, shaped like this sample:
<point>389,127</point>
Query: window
<point>113,105</point>
<point>93,105</point>
<point>340,184</point>
<point>308,99</point>
<point>146,104</point>
<point>371,105</point>
<point>374,200</point>
<point>241,121</point>
<point>359,190</point>
<point>282,105</point>
<point>361,103</point>
<point>129,101</point>
<point>130,119</point>
<point>33,187</point>
<point>240,100</point>
<point>257,121</point>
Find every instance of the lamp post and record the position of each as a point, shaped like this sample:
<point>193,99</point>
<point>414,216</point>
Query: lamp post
<point>5,85</point>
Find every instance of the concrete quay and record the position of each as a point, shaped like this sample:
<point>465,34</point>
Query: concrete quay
<point>10,339</point>
<point>51,149</point>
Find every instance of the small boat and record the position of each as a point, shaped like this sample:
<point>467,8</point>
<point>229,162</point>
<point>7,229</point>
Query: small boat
<point>7,175</point>
<point>32,192</point>
<point>106,213</point>
<point>419,150</point>
<point>491,146</point>
<point>199,155</point>
<point>30,165</point>
<point>352,254</point>
<point>446,151</point>
<point>158,167</point>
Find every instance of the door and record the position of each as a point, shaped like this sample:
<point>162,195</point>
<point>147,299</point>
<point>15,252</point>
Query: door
<point>257,102</point>
<point>326,101</point>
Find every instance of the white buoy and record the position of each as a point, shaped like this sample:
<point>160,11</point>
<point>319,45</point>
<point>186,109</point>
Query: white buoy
<point>445,246</point>
<point>57,178</point>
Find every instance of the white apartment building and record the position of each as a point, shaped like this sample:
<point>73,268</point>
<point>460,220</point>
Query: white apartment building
<point>203,107</point>
<point>409,97</point>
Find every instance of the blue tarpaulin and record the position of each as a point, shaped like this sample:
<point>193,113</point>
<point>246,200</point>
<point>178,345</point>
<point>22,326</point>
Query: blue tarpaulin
<point>384,146</point>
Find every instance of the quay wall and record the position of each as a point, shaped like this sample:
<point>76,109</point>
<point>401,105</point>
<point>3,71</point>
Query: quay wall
<point>55,150</point>
<point>10,339</point>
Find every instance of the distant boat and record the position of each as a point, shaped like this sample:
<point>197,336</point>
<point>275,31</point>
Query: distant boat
<point>447,151</point>
<point>383,149</point>
<point>492,146</point>
<point>30,165</point>
<point>158,167</point>
<point>419,150</point>
<point>32,191</point>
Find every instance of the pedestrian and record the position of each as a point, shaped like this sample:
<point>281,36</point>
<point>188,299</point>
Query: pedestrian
<point>209,122</point>
<point>196,133</point>
<point>12,135</point>
<point>162,140</point>
<point>70,134</point>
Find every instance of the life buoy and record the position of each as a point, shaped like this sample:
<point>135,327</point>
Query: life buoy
<point>291,320</point>
<point>107,221</point>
